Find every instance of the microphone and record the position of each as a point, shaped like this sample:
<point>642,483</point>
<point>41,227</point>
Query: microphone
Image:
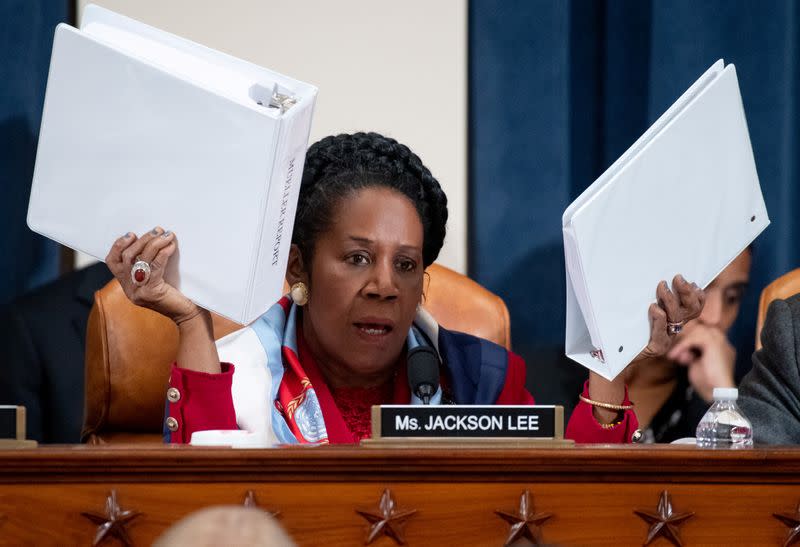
<point>423,372</point>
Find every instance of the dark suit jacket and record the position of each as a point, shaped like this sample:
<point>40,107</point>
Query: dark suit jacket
<point>769,394</point>
<point>42,342</point>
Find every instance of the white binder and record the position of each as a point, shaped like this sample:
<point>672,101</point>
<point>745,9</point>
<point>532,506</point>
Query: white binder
<point>685,198</point>
<point>143,128</point>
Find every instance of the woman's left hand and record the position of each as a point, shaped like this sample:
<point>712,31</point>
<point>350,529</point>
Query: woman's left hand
<point>674,308</point>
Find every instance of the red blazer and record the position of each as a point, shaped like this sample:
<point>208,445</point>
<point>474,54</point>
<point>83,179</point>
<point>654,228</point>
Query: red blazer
<point>202,401</point>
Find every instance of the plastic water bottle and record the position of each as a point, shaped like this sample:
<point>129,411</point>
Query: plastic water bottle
<point>724,425</point>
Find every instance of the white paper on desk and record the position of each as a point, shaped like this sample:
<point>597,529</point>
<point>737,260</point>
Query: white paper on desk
<point>685,198</point>
<point>143,128</point>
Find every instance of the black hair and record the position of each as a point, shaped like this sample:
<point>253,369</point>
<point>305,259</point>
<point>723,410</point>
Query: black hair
<point>340,165</point>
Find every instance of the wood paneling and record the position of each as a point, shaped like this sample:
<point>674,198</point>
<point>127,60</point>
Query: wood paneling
<point>592,493</point>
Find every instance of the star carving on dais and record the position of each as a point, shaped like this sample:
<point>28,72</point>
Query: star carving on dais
<point>664,522</point>
<point>792,520</point>
<point>526,522</point>
<point>113,522</point>
<point>387,520</point>
<point>250,501</point>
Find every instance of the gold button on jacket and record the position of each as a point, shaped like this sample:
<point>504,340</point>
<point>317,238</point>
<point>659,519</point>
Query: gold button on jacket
<point>173,395</point>
<point>172,424</point>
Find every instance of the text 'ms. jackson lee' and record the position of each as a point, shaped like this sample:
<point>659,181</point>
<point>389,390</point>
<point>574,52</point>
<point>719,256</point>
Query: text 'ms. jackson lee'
<point>543,421</point>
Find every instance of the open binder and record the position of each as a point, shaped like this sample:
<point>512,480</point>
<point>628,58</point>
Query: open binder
<point>685,198</point>
<point>143,128</point>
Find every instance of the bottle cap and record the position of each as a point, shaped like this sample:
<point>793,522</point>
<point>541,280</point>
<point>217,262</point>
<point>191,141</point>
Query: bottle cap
<point>725,394</point>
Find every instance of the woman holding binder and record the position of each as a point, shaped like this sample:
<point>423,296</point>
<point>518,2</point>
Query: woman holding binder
<point>370,219</point>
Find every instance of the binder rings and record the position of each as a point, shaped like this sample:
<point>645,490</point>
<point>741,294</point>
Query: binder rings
<point>685,198</point>
<point>143,128</point>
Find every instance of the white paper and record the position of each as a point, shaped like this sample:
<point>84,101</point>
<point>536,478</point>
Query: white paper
<point>685,198</point>
<point>143,128</point>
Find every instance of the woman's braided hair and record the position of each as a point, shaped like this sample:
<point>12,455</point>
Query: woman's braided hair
<point>338,166</point>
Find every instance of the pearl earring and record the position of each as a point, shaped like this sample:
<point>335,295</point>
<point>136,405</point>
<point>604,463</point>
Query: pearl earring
<point>299,293</point>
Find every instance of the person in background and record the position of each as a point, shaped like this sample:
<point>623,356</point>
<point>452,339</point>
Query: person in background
<point>769,395</point>
<point>673,392</point>
<point>42,343</point>
<point>230,525</point>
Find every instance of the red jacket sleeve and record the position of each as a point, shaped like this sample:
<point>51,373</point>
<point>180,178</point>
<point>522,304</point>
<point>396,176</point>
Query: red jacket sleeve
<point>583,427</point>
<point>198,401</point>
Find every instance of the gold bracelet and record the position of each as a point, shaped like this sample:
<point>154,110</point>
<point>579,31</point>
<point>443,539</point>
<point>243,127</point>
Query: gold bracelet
<point>608,406</point>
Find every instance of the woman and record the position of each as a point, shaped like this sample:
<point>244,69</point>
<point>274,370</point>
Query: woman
<point>673,392</point>
<point>370,219</point>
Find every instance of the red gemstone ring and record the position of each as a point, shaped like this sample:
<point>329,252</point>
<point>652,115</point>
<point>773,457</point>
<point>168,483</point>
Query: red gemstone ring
<point>140,272</point>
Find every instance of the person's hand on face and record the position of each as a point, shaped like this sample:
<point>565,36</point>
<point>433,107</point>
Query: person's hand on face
<point>704,347</point>
<point>710,357</point>
<point>155,247</point>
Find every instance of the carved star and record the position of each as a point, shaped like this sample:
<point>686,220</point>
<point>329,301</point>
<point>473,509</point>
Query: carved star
<point>792,520</point>
<point>250,501</point>
<point>664,522</point>
<point>113,523</point>
<point>526,522</point>
<point>387,520</point>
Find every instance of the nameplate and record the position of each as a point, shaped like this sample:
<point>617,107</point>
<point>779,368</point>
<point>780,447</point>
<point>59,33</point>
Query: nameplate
<point>468,421</point>
<point>12,422</point>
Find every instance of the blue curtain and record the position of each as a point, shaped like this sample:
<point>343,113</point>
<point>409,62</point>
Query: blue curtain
<point>558,90</point>
<point>26,38</point>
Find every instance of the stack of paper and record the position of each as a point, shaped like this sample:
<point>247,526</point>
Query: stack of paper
<point>143,128</point>
<point>685,198</point>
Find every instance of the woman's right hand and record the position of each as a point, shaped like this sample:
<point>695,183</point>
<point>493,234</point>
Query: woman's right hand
<point>155,247</point>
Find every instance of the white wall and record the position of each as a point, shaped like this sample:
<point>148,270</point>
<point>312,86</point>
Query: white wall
<point>399,68</point>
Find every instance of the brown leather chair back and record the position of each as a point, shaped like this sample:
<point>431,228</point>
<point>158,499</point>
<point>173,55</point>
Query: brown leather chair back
<point>129,351</point>
<point>785,286</point>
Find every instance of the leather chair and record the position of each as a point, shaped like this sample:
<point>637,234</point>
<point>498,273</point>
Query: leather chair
<point>785,286</point>
<point>129,350</point>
